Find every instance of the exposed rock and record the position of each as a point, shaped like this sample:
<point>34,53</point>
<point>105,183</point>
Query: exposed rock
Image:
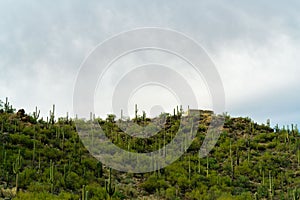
<point>8,193</point>
<point>21,113</point>
<point>26,118</point>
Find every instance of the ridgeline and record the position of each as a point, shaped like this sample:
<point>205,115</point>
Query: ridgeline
<point>46,159</point>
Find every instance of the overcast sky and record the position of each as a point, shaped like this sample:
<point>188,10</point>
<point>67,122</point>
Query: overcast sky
<point>254,45</point>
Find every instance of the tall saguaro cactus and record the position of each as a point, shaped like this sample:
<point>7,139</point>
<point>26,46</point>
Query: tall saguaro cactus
<point>207,166</point>
<point>2,126</point>
<point>298,157</point>
<point>108,185</point>
<point>271,185</point>
<point>4,154</point>
<point>237,156</point>
<point>65,172</point>
<point>33,151</point>
<point>231,161</point>
<point>17,167</point>
<point>51,178</point>
<point>99,169</point>
<point>136,113</point>
<point>36,114</point>
<point>39,165</point>
<point>144,116</point>
<point>199,163</point>
<point>7,106</point>
<point>84,194</point>
<point>190,171</point>
<point>52,116</point>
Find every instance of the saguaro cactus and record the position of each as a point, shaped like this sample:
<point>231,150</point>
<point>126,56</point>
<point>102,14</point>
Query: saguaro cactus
<point>190,171</point>
<point>2,127</point>
<point>39,166</point>
<point>136,111</point>
<point>199,163</point>
<point>271,185</point>
<point>65,172</point>
<point>237,156</point>
<point>207,166</point>
<point>7,177</point>
<point>295,194</point>
<point>62,139</point>
<point>99,169</point>
<point>91,116</point>
<point>263,177</point>
<point>84,194</point>
<point>268,123</point>
<point>231,161</point>
<point>298,157</point>
<point>17,167</point>
<point>3,156</point>
<point>6,105</point>
<point>36,114</point>
<point>108,185</point>
<point>33,151</point>
<point>51,178</point>
<point>52,116</point>
<point>144,116</point>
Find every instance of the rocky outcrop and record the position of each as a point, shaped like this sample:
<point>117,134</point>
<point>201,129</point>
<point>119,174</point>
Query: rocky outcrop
<point>8,193</point>
<point>21,113</point>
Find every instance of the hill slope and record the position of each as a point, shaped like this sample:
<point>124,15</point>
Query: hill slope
<point>47,160</point>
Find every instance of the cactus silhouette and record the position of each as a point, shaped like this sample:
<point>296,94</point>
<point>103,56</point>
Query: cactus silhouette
<point>136,113</point>
<point>108,185</point>
<point>17,167</point>
<point>36,114</point>
<point>52,116</point>
<point>99,169</point>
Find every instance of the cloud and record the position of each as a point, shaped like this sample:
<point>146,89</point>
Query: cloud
<point>254,46</point>
<point>250,69</point>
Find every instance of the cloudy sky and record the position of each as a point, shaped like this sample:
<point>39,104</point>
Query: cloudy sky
<point>254,45</point>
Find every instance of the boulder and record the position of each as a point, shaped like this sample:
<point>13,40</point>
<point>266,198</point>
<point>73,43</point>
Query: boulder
<point>21,113</point>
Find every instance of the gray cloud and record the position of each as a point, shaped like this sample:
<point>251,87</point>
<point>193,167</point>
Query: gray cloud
<point>254,45</point>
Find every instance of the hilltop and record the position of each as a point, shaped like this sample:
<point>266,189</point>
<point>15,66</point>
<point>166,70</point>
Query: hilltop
<point>46,159</point>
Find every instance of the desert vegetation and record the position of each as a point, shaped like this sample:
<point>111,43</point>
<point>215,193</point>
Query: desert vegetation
<point>44,158</point>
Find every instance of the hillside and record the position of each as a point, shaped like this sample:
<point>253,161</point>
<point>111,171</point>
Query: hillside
<point>45,159</point>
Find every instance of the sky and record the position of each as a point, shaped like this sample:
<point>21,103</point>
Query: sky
<point>253,44</point>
